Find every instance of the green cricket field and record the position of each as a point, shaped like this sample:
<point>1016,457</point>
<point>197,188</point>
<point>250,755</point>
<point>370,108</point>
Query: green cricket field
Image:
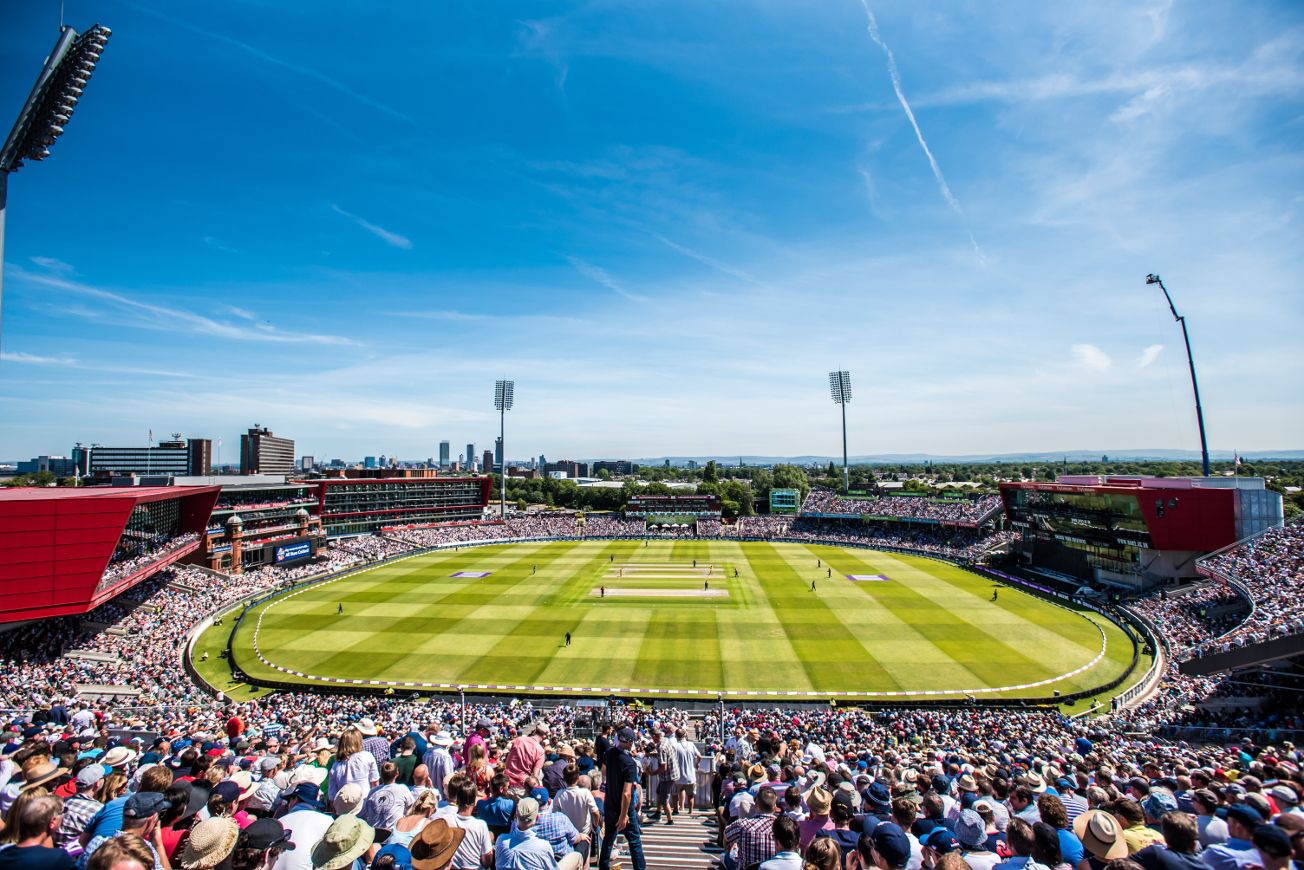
<point>679,618</point>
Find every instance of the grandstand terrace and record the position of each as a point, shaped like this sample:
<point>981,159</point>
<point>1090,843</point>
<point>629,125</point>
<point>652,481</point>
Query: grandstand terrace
<point>360,506</point>
<point>954,511</point>
<point>121,669</point>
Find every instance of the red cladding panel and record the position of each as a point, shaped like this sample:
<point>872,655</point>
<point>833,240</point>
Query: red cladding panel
<point>56,542</point>
<point>1193,519</point>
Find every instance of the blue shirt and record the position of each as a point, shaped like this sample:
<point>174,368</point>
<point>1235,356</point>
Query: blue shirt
<point>523,850</point>
<point>1233,855</point>
<point>108,821</point>
<point>1071,849</point>
<point>496,812</point>
<point>558,831</point>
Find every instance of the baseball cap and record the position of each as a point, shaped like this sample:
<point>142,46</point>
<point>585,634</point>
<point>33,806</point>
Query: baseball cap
<point>1272,841</point>
<point>627,735</point>
<point>144,804</point>
<point>227,790</point>
<point>527,812</point>
<point>89,775</point>
<point>1284,794</point>
<point>269,762</point>
<point>267,833</point>
<point>306,792</point>
<point>892,843</point>
<point>941,840</point>
<point>1245,814</point>
<point>483,723</point>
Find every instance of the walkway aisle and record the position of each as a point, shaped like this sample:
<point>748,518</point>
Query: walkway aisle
<point>688,844</point>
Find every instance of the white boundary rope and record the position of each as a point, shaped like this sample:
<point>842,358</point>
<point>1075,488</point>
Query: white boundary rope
<point>629,690</point>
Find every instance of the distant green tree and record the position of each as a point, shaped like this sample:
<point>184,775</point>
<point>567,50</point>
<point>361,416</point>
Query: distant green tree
<point>711,475</point>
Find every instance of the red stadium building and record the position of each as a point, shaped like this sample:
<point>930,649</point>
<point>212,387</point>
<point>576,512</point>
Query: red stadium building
<point>66,550</point>
<point>1134,532</point>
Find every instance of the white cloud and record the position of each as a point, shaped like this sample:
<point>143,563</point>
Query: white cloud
<point>1091,358</point>
<point>388,237</point>
<point>600,275</point>
<point>53,264</point>
<point>147,315</point>
<point>1149,355</point>
<point>919,134</point>
<point>35,360</point>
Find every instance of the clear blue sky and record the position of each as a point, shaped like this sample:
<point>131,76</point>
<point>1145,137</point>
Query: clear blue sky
<point>666,220</point>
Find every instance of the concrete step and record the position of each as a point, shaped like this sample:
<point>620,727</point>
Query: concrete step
<point>92,655</point>
<point>688,843</point>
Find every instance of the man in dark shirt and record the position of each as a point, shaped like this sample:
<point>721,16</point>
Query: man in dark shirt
<point>1183,841</point>
<point>34,847</point>
<point>619,812</point>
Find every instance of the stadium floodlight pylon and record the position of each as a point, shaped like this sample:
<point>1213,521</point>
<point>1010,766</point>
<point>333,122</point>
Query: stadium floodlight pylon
<point>49,107</point>
<point>504,391</point>
<point>840,388</point>
<point>1190,362</point>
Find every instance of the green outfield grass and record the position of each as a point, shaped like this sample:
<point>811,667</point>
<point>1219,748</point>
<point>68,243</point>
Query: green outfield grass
<point>931,627</point>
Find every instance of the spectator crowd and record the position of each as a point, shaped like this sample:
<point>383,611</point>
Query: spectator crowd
<point>968,510</point>
<point>160,770</point>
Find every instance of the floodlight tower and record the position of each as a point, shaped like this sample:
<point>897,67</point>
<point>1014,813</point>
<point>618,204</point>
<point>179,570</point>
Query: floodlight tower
<point>1190,362</point>
<point>49,106</point>
<point>503,391</point>
<point>840,388</point>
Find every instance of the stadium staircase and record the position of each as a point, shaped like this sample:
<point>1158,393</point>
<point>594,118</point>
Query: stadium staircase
<point>688,844</point>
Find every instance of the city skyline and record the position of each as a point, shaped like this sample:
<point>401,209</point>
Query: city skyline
<point>667,225</point>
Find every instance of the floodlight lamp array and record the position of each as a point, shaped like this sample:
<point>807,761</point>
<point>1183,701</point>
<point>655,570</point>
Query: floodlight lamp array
<point>840,387</point>
<point>503,393</point>
<point>52,101</point>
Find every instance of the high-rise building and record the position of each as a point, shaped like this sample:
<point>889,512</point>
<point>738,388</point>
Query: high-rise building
<point>443,454</point>
<point>261,452</point>
<point>470,457</point>
<point>369,462</point>
<point>487,462</point>
<point>306,463</point>
<point>177,457</point>
<point>543,462</point>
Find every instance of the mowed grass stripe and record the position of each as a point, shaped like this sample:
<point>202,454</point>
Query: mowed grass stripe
<point>674,653</point>
<point>953,624</point>
<point>411,622</point>
<point>477,627</point>
<point>504,662</point>
<point>1053,624</point>
<point>901,645</point>
<point>1059,639</point>
<point>394,638</point>
<point>833,657</point>
<point>755,652</point>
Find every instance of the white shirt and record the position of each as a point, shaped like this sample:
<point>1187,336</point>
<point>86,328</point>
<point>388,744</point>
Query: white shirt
<point>477,842</point>
<point>306,829</point>
<point>360,767</point>
<point>578,805</point>
<point>686,751</point>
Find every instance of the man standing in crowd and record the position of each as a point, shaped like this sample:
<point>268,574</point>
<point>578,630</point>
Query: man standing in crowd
<point>525,757</point>
<point>620,815</point>
<point>687,756</point>
<point>438,760</point>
